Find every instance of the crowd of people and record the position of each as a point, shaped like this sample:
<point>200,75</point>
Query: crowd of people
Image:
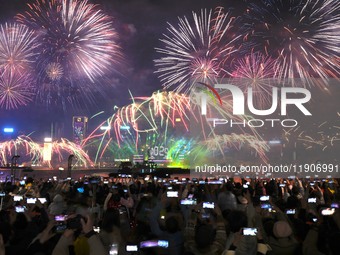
<point>102,216</point>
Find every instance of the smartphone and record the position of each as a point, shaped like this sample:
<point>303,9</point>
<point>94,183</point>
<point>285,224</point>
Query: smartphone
<point>106,182</point>
<point>190,196</point>
<point>290,211</point>
<point>264,198</point>
<point>327,211</point>
<point>114,249</point>
<point>132,247</point>
<point>282,185</point>
<point>2,194</point>
<point>335,205</point>
<point>249,231</point>
<point>172,193</point>
<point>125,190</point>
<point>209,205</point>
<point>42,200</point>
<point>266,206</point>
<point>312,200</point>
<point>315,220</point>
<point>154,243</point>
<point>188,202</point>
<point>20,209</point>
<point>245,186</point>
<point>201,182</point>
<point>96,229</point>
<point>215,182</point>
<point>22,182</point>
<point>80,190</point>
<point>60,228</point>
<point>17,198</point>
<point>31,200</point>
<point>205,215</point>
<point>60,217</point>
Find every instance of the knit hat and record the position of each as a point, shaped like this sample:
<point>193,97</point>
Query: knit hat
<point>282,229</point>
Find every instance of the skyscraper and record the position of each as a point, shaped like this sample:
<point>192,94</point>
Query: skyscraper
<point>79,127</point>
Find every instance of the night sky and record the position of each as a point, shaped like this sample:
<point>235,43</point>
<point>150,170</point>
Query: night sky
<point>140,24</point>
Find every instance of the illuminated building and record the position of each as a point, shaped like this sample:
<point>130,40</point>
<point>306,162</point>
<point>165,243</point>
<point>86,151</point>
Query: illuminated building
<point>79,127</point>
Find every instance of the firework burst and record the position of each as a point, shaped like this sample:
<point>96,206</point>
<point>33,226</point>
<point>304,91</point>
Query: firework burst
<point>302,35</point>
<point>196,50</point>
<point>54,71</point>
<point>17,44</point>
<point>15,89</point>
<point>76,32</point>
<point>257,71</point>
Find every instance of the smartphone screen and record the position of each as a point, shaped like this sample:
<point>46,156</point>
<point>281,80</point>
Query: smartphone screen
<point>31,200</point>
<point>154,243</point>
<point>188,202</point>
<point>209,205</point>
<point>249,231</point>
<point>172,193</point>
<point>312,200</point>
<point>266,206</point>
<point>290,211</point>
<point>60,217</point>
<point>42,200</point>
<point>264,198</point>
<point>17,198</point>
<point>114,249</point>
<point>131,247</point>
<point>328,211</point>
<point>20,209</point>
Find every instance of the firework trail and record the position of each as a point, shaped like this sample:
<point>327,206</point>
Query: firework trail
<point>302,35</point>
<point>318,138</point>
<point>79,46</point>
<point>23,146</point>
<point>26,147</point>
<point>17,45</point>
<point>196,50</point>
<point>154,116</point>
<point>16,89</point>
<point>149,113</point>
<point>237,142</point>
